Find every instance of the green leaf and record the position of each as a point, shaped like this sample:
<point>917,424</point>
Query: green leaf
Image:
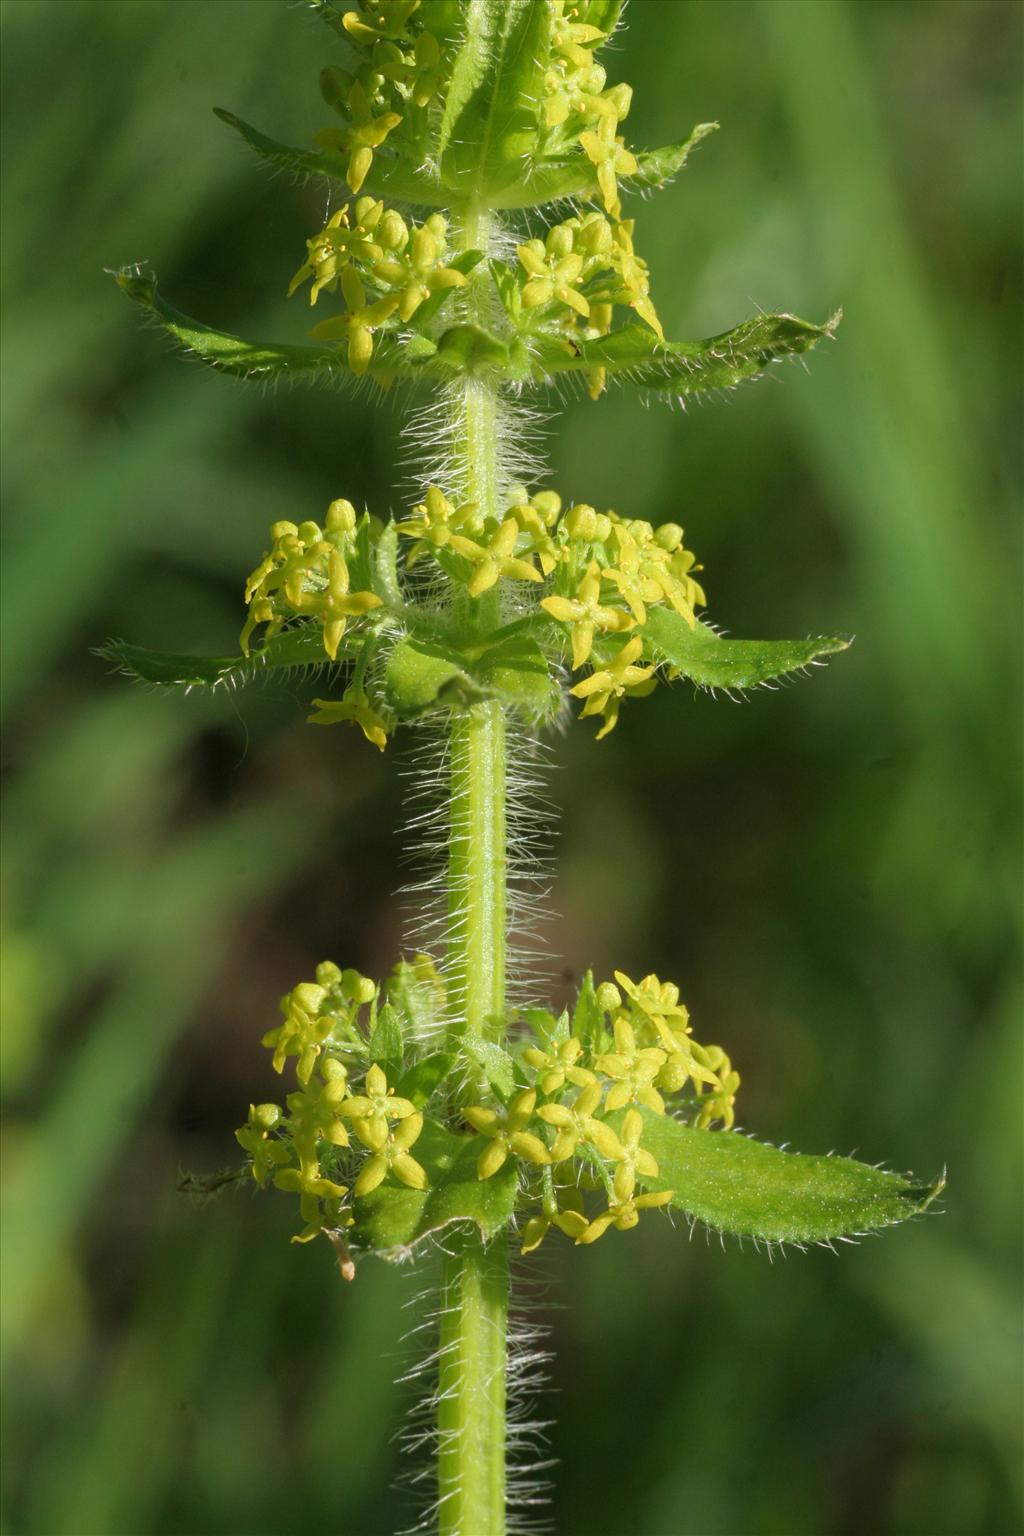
<point>588,1019</point>
<point>229,354</point>
<point>574,175</point>
<point>415,676</point>
<point>388,176</point>
<point>544,1026</point>
<point>497,1065</point>
<point>301,646</point>
<point>265,360</point>
<point>386,1043</point>
<point>517,671</point>
<point>750,1189</point>
<point>493,95</point>
<point>415,999</point>
<point>421,1081</point>
<point>657,166</point>
<point>394,1219</point>
<point>685,367</point>
<point>711,662</point>
<point>470,348</point>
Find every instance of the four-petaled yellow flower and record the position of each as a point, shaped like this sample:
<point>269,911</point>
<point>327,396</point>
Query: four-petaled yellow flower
<point>364,134</point>
<point>604,688</point>
<point>659,1001</point>
<point>623,1215</point>
<point>354,709</point>
<point>633,1070</point>
<point>372,1111</point>
<point>394,1156</point>
<point>575,1123</point>
<point>558,1065</point>
<point>611,159</point>
<point>634,1160</point>
<point>495,559</point>
<point>506,1132</point>
<point>586,614</point>
<point>254,1137</point>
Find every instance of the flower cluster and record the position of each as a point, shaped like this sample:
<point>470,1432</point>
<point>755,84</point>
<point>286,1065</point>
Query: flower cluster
<point>306,575</point>
<point>403,266</point>
<point>578,1126</point>
<point>572,279</point>
<point>392,274</point>
<point>400,70</point>
<point>330,1026</point>
<point>570,1113</point>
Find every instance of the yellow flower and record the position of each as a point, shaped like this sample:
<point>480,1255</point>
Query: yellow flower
<point>254,1137</point>
<point>575,1123</point>
<point>355,709</point>
<point>623,1215</point>
<point>634,1161</point>
<point>659,1001</point>
<point>495,559</point>
<point>604,689</point>
<point>611,159</point>
<point>434,521</point>
<point>718,1104</point>
<point>394,1157</point>
<point>586,614</point>
<point>420,271</point>
<point>632,1070</point>
<point>507,1134</point>
<point>364,134</point>
<point>381,20</point>
<point>372,1111</point>
<point>632,272</point>
<point>559,1065</point>
<point>551,277</point>
<point>359,323</point>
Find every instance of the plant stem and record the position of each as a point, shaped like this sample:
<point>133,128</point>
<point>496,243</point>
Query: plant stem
<point>471,1386</point>
<point>475,1283</point>
<point>477,872</point>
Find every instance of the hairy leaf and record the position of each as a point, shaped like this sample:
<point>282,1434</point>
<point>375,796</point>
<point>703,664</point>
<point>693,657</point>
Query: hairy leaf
<point>750,1189</point>
<point>393,1218</point>
<point>588,1019</point>
<point>711,662</point>
<point>265,360</point>
<point>302,646</point>
<point>388,177</point>
<point>386,1040</point>
<point>421,1081</point>
<point>685,367</point>
<point>492,98</point>
<point>575,176</point>
<point>496,1064</point>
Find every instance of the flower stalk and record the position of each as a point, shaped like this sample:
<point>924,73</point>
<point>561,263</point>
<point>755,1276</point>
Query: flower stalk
<point>425,1110</point>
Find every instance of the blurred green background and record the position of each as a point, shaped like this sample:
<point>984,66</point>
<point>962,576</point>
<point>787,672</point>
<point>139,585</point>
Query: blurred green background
<point>831,871</point>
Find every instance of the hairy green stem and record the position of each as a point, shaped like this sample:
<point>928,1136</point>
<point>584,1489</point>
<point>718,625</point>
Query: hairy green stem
<point>471,1387</point>
<point>474,1313</point>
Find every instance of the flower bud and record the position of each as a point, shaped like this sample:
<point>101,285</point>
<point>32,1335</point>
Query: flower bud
<point>393,232</point>
<point>327,973</point>
<point>559,242</point>
<point>341,518</point>
<point>668,537</point>
<point>609,998</point>
<point>358,989</point>
<point>549,505</point>
<point>308,996</point>
<point>266,1116</point>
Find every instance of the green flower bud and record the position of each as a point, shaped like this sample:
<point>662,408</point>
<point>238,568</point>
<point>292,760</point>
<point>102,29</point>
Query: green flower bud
<point>609,998</point>
<point>308,996</point>
<point>668,537</point>
<point>266,1116</point>
<point>341,518</point>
